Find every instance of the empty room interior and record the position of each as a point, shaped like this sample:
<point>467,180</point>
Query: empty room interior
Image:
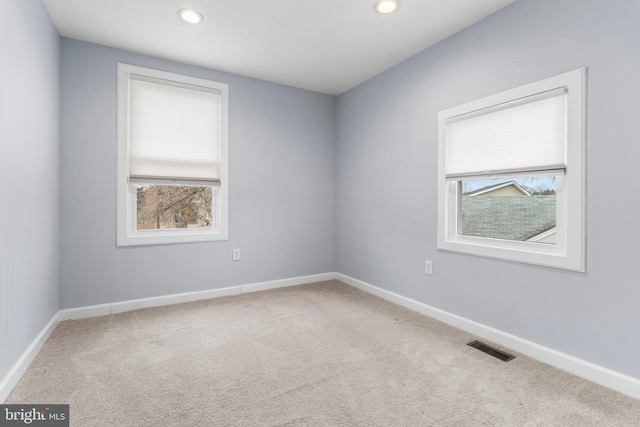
<point>302,213</point>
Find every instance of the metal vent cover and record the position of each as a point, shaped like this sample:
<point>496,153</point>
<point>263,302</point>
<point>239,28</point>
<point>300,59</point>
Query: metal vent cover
<point>498,354</point>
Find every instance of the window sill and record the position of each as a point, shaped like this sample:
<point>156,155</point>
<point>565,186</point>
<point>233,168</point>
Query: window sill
<point>168,237</point>
<point>541,254</point>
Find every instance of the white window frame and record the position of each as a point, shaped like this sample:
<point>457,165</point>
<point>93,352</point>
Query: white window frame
<point>569,251</point>
<point>127,233</point>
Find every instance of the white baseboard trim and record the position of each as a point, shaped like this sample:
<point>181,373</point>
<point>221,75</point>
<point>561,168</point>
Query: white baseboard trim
<point>20,367</point>
<point>295,281</point>
<point>136,304</point>
<point>83,312</point>
<point>120,307</point>
<point>590,371</point>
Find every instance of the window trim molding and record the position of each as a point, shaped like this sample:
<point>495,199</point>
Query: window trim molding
<point>569,251</point>
<point>126,234</point>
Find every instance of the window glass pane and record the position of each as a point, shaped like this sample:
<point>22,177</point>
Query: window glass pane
<point>522,209</point>
<point>173,206</point>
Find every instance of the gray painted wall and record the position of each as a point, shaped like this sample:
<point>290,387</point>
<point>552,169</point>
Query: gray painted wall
<point>387,178</point>
<point>29,171</point>
<point>281,196</point>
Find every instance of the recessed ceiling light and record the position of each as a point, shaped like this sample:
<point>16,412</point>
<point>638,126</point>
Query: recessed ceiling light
<point>386,6</point>
<point>191,16</point>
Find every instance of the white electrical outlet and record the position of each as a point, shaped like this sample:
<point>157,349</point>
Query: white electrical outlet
<point>236,255</point>
<point>428,267</point>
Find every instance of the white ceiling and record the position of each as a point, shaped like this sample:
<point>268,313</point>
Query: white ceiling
<point>326,46</point>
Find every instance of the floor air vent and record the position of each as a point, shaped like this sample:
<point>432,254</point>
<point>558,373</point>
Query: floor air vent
<point>505,357</point>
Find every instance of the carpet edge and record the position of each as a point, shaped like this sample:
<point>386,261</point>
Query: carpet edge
<point>11,379</point>
<point>590,371</point>
<point>16,372</point>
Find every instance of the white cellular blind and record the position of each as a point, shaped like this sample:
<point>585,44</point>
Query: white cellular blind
<point>527,135</point>
<point>174,132</point>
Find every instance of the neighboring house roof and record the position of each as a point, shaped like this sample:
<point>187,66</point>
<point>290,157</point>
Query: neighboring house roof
<point>511,217</point>
<point>490,188</point>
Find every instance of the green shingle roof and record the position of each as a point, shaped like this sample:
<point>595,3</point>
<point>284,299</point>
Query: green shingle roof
<point>512,218</point>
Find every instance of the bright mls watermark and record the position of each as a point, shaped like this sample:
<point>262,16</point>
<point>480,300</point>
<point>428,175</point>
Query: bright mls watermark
<point>34,415</point>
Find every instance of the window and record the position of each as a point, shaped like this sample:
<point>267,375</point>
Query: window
<point>173,180</point>
<point>511,174</point>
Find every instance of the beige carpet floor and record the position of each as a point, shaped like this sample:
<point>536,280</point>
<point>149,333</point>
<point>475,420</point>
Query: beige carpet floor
<point>324,354</point>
